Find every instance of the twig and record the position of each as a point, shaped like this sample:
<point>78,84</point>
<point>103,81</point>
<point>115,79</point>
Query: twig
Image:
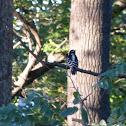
<point>82,100</point>
<point>77,120</point>
<point>86,97</point>
<point>29,50</point>
<point>16,45</point>
<point>61,44</point>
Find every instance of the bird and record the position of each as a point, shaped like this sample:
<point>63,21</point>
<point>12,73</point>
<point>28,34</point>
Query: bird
<point>72,61</point>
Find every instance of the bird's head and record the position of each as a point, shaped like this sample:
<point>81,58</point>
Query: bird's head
<point>72,51</point>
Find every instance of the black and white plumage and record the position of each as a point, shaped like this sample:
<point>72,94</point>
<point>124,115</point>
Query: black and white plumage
<point>72,61</point>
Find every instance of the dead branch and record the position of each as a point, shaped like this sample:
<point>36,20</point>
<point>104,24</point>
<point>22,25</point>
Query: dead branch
<point>23,76</point>
<point>16,45</point>
<point>119,27</point>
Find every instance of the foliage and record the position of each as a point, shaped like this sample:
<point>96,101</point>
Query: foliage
<point>51,19</point>
<point>111,74</point>
<point>36,109</point>
<point>118,116</point>
<point>52,84</point>
<point>118,41</point>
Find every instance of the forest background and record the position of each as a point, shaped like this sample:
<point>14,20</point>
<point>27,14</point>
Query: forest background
<point>49,86</point>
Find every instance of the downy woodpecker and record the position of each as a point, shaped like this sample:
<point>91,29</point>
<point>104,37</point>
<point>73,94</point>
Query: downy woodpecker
<point>72,61</point>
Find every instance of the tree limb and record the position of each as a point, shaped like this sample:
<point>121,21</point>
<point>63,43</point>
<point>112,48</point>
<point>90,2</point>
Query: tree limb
<point>23,76</point>
<point>121,6</point>
<point>47,66</point>
<point>118,28</point>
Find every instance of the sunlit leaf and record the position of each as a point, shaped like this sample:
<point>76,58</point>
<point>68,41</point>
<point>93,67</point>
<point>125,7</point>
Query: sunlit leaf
<point>102,123</point>
<point>75,95</point>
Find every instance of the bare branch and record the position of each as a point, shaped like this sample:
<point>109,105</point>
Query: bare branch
<point>46,66</point>
<point>119,27</point>
<point>23,76</point>
<point>29,42</point>
<point>62,43</point>
<point>118,33</point>
<point>16,45</point>
<point>86,97</point>
<point>33,31</point>
<point>121,4</point>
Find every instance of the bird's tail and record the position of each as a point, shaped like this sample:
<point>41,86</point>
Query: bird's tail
<point>73,71</point>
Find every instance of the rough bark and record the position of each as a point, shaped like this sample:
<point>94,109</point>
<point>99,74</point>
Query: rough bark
<point>90,37</point>
<point>6,44</point>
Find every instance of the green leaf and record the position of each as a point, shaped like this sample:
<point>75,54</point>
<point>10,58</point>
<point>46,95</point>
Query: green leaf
<point>54,122</point>
<point>111,120</point>
<point>84,115</point>
<point>119,112</point>
<point>105,83</point>
<point>69,111</point>
<point>105,73</point>
<point>124,106</point>
<point>5,116</point>
<point>76,101</point>
<point>40,92</point>
<point>102,123</point>
<point>93,124</point>
<point>120,124</point>
<point>119,69</point>
<point>1,117</point>
<point>48,112</point>
<point>75,95</point>
<point>29,99</point>
<point>45,120</point>
<point>8,124</point>
<point>44,107</point>
<point>114,112</point>
<point>27,123</point>
<point>124,67</point>
<point>121,118</point>
<point>37,102</point>
<point>111,73</point>
<point>1,123</point>
<point>57,110</point>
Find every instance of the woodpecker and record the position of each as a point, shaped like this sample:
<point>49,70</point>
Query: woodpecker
<point>72,61</point>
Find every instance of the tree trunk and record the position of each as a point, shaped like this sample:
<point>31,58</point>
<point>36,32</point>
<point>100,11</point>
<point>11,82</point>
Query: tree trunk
<point>90,23</point>
<point>6,43</point>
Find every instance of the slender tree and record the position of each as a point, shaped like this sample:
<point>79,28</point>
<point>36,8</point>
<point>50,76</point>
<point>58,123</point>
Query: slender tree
<point>90,36</point>
<point>6,40</point>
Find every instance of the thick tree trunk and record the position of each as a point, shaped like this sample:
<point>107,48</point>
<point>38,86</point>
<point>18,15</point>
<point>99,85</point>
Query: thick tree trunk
<point>6,44</point>
<point>90,37</point>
